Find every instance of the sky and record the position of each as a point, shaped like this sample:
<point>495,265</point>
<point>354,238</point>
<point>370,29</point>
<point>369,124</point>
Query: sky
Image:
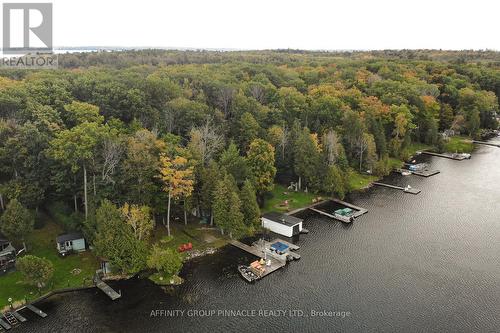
<point>272,24</point>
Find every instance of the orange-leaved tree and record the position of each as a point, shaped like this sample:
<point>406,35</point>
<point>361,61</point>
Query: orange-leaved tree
<point>177,177</point>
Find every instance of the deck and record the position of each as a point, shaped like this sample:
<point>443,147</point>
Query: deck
<point>99,283</point>
<point>358,210</point>
<point>108,290</point>
<point>426,173</point>
<point>410,190</point>
<point>449,156</point>
<point>345,219</point>
<point>486,143</point>
<point>36,310</point>
<point>259,249</point>
<point>4,325</point>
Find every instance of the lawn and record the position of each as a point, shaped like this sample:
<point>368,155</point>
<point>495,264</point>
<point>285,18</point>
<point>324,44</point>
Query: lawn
<point>358,181</point>
<point>417,146</point>
<point>200,235</point>
<point>41,243</point>
<point>459,144</point>
<point>276,198</point>
<point>395,163</point>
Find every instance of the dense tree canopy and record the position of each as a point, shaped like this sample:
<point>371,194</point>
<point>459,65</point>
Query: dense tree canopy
<point>154,128</point>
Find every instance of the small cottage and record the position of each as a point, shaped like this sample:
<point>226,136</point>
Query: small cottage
<point>282,224</point>
<point>7,255</point>
<point>68,243</point>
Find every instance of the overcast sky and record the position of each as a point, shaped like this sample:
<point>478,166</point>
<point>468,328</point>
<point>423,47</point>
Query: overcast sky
<point>271,24</point>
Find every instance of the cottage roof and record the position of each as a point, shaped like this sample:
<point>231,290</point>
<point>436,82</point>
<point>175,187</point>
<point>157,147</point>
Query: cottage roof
<point>68,237</point>
<point>287,220</point>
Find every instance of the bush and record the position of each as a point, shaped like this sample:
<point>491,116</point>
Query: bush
<point>167,262</point>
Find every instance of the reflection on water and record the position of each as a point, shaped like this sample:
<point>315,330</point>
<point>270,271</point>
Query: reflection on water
<point>427,262</point>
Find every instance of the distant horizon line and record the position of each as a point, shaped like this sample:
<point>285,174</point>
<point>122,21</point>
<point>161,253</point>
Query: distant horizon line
<point>129,48</point>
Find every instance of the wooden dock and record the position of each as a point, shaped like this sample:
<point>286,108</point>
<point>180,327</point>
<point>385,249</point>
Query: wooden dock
<point>486,143</point>
<point>261,249</point>
<point>108,290</point>
<point>19,317</point>
<point>4,325</point>
<point>425,173</point>
<point>359,210</point>
<point>36,310</point>
<point>256,251</point>
<point>345,219</point>
<point>410,190</point>
<point>99,283</point>
<point>449,156</point>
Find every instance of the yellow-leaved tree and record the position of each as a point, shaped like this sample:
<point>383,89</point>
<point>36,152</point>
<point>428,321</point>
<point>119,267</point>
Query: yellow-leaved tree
<point>177,177</point>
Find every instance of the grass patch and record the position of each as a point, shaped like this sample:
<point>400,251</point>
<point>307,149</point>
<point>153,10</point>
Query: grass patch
<point>200,235</point>
<point>459,144</point>
<point>163,280</point>
<point>395,163</point>
<point>41,243</point>
<point>417,146</point>
<point>276,198</point>
<point>358,181</point>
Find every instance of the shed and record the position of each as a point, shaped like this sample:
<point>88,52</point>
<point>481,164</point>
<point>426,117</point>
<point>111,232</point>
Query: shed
<point>70,242</point>
<point>282,224</point>
<point>7,255</point>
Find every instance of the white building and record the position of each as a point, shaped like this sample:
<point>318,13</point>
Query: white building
<point>282,224</point>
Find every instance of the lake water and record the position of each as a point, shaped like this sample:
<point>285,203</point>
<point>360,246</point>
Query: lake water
<point>413,263</point>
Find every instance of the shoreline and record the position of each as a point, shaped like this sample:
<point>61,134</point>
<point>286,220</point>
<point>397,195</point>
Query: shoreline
<point>190,256</point>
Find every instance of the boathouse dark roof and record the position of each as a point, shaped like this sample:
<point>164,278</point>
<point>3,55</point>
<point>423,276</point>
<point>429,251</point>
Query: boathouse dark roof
<point>282,218</point>
<point>3,241</point>
<point>68,237</point>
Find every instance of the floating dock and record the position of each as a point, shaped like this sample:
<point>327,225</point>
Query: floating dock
<point>402,171</point>
<point>11,319</point>
<point>36,310</point>
<point>425,173</point>
<point>261,249</point>
<point>19,317</point>
<point>345,219</point>
<point>410,190</point>
<point>99,283</point>
<point>486,143</point>
<point>358,211</point>
<point>456,157</point>
<point>4,325</point>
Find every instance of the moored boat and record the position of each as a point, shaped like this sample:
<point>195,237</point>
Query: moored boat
<point>246,273</point>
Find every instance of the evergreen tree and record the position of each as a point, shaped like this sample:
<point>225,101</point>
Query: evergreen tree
<point>334,182</point>
<point>116,242</point>
<point>234,164</point>
<point>306,156</point>
<point>249,205</point>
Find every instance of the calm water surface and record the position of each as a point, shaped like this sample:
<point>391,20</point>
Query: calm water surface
<point>424,263</point>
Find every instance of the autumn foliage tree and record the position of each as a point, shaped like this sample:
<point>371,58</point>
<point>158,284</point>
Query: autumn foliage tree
<point>139,218</point>
<point>177,178</point>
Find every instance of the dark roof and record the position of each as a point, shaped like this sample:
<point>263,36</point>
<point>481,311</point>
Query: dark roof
<point>3,241</point>
<point>282,218</point>
<point>68,237</point>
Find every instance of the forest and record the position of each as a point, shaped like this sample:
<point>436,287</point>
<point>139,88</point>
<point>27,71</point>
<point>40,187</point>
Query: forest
<point>124,142</point>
